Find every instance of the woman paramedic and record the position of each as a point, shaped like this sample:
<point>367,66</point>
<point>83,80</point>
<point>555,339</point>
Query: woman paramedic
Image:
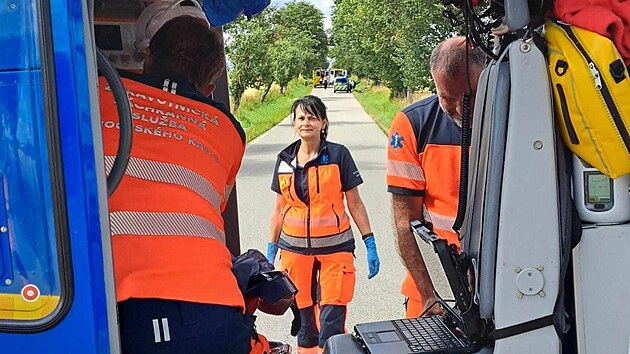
<point>311,226</point>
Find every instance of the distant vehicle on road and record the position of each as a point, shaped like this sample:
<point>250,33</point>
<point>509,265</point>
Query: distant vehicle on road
<point>335,73</point>
<point>342,84</point>
<point>319,75</point>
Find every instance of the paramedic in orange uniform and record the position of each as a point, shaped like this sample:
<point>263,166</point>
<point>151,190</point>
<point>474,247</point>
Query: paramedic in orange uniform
<point>423,163</point>
<point>310,224</point>
<point>174,286</point>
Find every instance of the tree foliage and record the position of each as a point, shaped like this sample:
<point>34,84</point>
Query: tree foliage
<point>276,46</point>
<point>388,41</point>
<point>303,24</point>
<point>247,48</point>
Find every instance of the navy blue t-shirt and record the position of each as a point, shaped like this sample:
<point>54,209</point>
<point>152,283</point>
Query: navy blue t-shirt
<point>329,152</point>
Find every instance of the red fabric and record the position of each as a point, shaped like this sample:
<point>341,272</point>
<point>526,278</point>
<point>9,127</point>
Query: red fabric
<point>610,18</point>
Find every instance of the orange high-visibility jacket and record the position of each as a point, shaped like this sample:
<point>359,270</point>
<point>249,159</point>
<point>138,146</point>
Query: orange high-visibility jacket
<point>167,231</point>
<point>315,218</point>
<point>423,159</point>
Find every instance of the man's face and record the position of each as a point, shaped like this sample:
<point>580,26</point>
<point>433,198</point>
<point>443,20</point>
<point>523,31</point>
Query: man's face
<point>450,91</point>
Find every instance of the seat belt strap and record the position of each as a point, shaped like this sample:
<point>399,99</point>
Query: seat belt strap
<point>523,327</point>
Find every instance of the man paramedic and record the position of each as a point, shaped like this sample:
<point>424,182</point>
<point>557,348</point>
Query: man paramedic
<point>423,163</point>
<point>174,286</point>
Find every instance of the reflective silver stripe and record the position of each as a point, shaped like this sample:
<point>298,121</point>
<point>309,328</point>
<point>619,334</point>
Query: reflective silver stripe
<point>327,221</point>
<point>170,173</point>
<point>228,191</point>
<point>323,221</point>
<point>441,222</point>
<point>163,224</point>
<point>404,170</point>
<point>294,221</point>
<point>318,242</point>
<point>167,332</point>
<point>174,87</point>
<point>425,213</point>
<point>166,84</point>
<point>156,331</point>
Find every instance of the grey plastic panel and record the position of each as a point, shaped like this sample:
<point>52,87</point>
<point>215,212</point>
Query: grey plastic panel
<point>342,344</point>
<point>529,230</point>
<point>471,234</point>
<point>516,14</point>
<point>480,231</point>
<point>528,243</point>
<point>602,285</point>
<point>487,257</point>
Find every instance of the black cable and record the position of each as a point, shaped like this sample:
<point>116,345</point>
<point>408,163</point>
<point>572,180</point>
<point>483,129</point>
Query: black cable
<point>464,14</point>
<point>125,121</point>
<point>454,18</point>
<point>474,27</point>
<point>465,142</point>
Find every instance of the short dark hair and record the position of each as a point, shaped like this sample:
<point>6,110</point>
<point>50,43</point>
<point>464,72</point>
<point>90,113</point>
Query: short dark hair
<point>313,105</point>
<point>450,59</point>
<point>190,47</point>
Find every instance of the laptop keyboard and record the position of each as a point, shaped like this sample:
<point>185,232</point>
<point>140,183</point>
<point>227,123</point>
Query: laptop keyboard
<point>427,334</point>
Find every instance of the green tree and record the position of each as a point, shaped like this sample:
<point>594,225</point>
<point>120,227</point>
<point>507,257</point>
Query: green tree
<point>287,56</point>
<point>418,33</point>
<point>247,48</point>
<point>277,45</point>
<point>388,41</point>
<point>302,24</point>
<point>363,36</point>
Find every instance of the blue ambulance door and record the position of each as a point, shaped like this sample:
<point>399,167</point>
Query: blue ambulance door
<point>56,282</point>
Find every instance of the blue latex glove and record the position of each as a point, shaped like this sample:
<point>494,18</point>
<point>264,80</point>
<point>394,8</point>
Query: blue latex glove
<point>372,256</point>
<point>272,250</point>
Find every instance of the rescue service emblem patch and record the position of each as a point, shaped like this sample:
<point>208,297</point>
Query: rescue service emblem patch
<point>396,142</point>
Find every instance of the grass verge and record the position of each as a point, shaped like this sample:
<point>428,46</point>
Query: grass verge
<point>256,118</point>
<point>376,102</point>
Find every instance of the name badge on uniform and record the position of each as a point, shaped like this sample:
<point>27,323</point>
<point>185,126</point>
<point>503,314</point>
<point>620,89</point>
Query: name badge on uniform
<point>285,183</point>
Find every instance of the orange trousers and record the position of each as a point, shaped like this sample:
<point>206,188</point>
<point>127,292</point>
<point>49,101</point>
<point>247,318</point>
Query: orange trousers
<point>335,277</point>
<point>413,308</point>
<point>413,305</point>
<point>325,286</point>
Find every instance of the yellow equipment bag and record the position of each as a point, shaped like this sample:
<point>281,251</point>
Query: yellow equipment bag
<point>591,96</point>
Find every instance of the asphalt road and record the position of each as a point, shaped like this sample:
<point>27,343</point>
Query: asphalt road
<point>376,299</point>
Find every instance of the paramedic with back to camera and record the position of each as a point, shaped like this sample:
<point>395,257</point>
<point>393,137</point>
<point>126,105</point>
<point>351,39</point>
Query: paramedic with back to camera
<point>175,289</point>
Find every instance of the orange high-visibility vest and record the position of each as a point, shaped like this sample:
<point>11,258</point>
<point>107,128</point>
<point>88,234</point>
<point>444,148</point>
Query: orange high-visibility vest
<point>323,222</point>
<point>168,238</point>
<point>325,214</point>
<point>423,159</point>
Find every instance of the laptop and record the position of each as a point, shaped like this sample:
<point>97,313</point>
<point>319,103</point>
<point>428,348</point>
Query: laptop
<point>429,334</point>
